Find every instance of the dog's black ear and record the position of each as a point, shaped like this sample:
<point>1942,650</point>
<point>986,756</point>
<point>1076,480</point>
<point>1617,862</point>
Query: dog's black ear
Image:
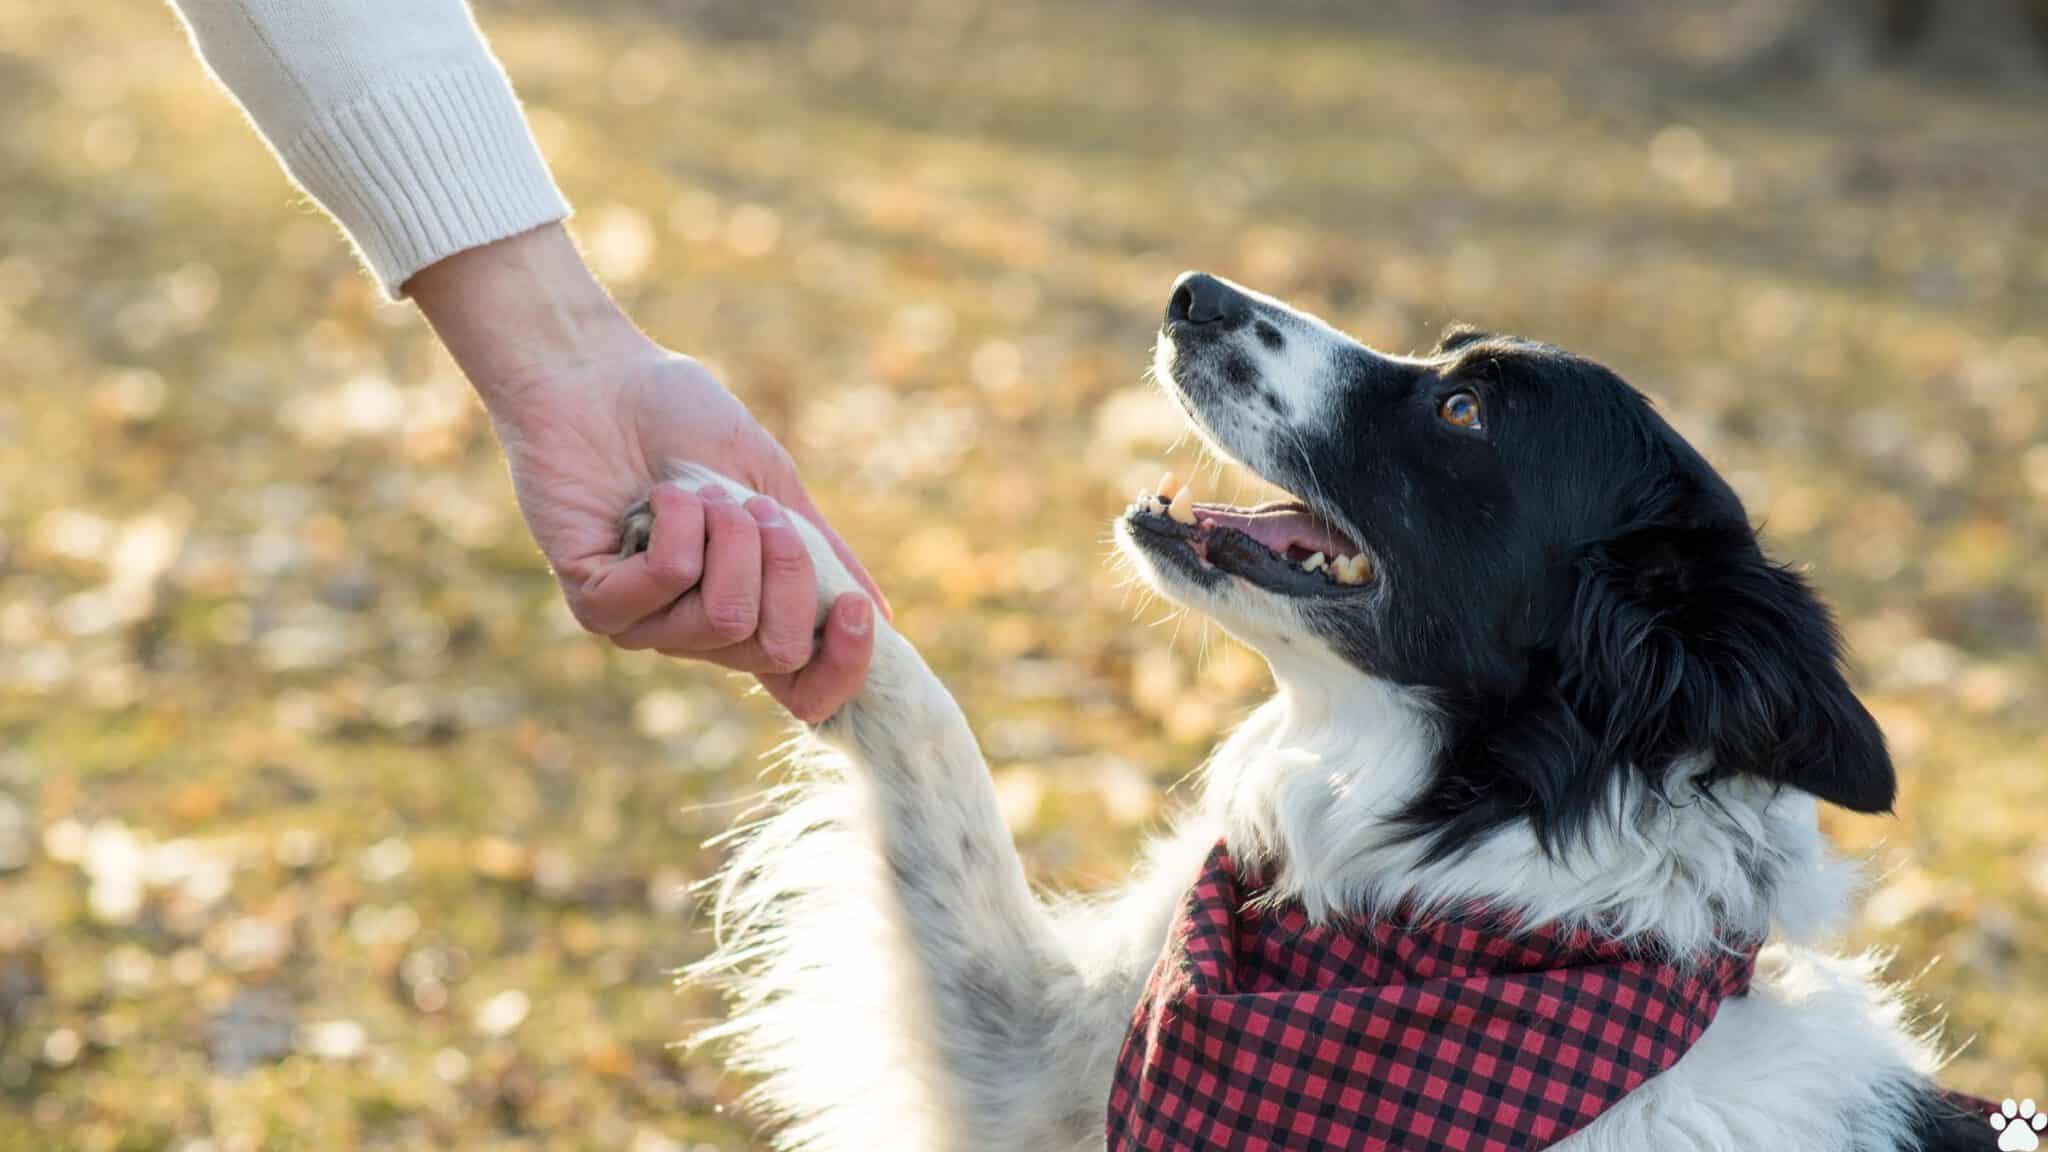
<point>1686,639</point>
<point>1457,336</point>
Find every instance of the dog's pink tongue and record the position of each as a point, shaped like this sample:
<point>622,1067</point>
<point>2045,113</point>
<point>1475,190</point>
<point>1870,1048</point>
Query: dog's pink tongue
<point>1279,529</point>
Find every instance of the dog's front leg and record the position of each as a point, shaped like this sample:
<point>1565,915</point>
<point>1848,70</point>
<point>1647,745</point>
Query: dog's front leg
<point>895,983</point>
<point>986,972</point>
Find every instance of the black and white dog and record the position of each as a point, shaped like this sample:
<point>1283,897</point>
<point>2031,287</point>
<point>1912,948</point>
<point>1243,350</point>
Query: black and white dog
<point>1541,664</point>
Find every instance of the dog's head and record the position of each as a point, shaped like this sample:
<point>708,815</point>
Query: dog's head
<point>1513,536</point>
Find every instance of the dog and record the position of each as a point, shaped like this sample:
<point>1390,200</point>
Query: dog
<point>1529,659</point>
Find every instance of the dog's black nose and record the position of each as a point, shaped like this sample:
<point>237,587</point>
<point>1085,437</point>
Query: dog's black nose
<point>1199,298</point>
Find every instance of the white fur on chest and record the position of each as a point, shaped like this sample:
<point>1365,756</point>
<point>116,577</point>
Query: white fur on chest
<point>1819,1056</point>
<point>1314,779</point>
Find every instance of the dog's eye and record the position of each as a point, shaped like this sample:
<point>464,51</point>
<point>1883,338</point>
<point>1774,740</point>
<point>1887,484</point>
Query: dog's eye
<point>1461,409</point>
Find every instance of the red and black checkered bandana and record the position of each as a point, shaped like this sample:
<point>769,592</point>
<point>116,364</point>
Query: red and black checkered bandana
<point>1260,1031</point>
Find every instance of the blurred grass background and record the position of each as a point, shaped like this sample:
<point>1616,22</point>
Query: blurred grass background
<point>322,826</point>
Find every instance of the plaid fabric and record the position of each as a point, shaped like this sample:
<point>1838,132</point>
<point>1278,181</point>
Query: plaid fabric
<point>1259,1031</point>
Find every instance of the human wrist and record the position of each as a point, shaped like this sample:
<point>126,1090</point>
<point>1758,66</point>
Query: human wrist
<point>518,310</point>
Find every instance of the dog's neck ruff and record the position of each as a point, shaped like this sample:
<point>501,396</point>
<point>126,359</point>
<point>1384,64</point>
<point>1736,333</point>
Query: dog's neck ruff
<point>1260,1029</point>
<point>1309,787</point>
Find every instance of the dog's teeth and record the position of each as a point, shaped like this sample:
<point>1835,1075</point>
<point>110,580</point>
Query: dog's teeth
<point>1169,486</point>
<point>1155,505</point>
<point>1183,507</point>
<point>1315,563</point>
<point>1351,569</point>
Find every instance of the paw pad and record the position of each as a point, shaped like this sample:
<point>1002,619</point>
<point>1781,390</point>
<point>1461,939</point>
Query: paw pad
<point>2017,1124</point>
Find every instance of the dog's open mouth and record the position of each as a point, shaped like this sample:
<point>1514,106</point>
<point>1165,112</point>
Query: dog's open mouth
<point>1284,548</point>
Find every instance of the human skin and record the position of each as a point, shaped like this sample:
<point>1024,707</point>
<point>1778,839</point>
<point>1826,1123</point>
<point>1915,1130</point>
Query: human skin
<point>589,411</point>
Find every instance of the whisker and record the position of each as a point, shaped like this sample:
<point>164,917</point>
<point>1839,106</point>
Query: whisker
<point>1322,498</point>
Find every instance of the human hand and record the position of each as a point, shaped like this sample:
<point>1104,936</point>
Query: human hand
<point>590,413</point>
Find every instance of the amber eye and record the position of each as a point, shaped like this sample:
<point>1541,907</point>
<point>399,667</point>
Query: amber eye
<point>1461,409</point>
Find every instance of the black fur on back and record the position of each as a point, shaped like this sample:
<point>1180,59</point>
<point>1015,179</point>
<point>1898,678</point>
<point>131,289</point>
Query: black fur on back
<point>1943,1125</point>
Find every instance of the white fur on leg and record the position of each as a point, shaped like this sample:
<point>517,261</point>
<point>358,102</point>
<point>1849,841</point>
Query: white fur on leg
<point>829,996</point>
<point>893,981</point>
<point>810,957</point>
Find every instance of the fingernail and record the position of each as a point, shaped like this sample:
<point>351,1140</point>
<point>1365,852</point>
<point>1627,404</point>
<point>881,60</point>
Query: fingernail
<point>766,512</point>
<point>858,617</point>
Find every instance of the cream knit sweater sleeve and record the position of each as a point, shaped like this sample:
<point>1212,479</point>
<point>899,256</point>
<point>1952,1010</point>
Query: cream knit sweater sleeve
<point>393,114</point>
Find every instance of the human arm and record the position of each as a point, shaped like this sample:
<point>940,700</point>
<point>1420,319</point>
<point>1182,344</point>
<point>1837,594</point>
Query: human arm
<point>394,115</point>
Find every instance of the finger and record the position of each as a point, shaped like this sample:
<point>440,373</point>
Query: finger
<point>623,591</point>
<point>677,553</point>
<point>834,675</point>
<point>789,589</point>
<point>725,608</point>
<point>731,603</point>
<point>801,503</point>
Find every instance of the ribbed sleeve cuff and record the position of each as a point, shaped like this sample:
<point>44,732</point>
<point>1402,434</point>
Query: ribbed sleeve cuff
<point>426,167</point>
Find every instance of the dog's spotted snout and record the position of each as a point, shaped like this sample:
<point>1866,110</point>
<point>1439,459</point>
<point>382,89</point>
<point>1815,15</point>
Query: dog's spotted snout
<point>1200,299</point>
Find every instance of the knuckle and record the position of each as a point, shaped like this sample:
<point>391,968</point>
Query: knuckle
<point>785,655</point>
<point>678,572</point>
<point>589,618</point>
<point>670,498</point>
<point>786,557</point>
<point>731,619</point>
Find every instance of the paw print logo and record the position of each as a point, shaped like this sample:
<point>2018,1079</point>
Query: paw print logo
<point>2017,1124</point>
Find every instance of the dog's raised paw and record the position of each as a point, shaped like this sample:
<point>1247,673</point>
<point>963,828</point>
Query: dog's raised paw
<point>636,528</point>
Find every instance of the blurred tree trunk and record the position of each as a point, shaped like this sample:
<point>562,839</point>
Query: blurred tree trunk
<point>1990,40</point>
